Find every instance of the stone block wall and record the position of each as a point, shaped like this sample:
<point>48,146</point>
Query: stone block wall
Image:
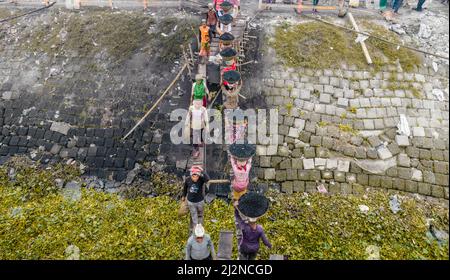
<point>338,127</point>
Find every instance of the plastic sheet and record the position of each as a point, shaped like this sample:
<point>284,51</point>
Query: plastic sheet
<point>403,126</point>
<point>394,204</point>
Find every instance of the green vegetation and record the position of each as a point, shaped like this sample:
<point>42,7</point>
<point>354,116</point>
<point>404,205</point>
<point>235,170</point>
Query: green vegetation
<point>396,85</point>
<point>121,34</point>
<point>405,86</point>
<point>105,226</point>
<point>317,46</point>
<point>331,227</point>
<point>352,109</point>
<point>322,124</point>
<point>347,128</point>
<point>383,53</point>
<point>4,13</point>
<point>289,107</point>
<point>37,222</point>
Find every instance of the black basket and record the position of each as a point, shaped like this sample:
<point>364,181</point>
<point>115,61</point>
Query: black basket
<point>232,76</point>
<point>226,19</point>
<point>242,151</point>
<point>253,205</point>
<point>226,37</point>
<point>228,53</point>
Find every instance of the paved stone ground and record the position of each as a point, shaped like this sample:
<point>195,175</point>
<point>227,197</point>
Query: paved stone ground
<point>338,127</point>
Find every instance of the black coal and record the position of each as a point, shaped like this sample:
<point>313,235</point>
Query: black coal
<point>226,19</point>
<point>243,151</point>
<point>253,205</point>
<point>232,76</point>
<point>228,52</point>
<point>226,37</point>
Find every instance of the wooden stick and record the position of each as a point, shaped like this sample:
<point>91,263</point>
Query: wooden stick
<point>363,45</point>
<point>221,181</point>
<point>157,101</point>
<point>186,60</point>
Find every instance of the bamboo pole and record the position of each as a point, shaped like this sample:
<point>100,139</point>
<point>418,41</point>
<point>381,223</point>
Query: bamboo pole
<point>157,101</point>
<point>363,45</point>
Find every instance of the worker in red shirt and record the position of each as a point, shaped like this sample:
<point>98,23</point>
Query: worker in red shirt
<point>211,20</point>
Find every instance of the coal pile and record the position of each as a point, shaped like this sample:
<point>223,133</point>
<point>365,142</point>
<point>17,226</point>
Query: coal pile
<point>227,37</point>
<point>228,53</point>
<point>232,76</point>
<point>253,205</point>
<point>226,19</point>
<point>242,151</point>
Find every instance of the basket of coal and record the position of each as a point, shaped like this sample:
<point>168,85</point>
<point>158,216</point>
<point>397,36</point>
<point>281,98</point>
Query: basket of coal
<point>253,205</point>
<point>232,76</point>
<point>226,39</point>
<point>226,19</point>
<point>228,54</point>
<point>242,152</point>
<point>226,6</point>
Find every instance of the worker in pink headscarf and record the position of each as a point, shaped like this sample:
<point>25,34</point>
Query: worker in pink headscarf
<point>240,181</point>
<point>217,4</point>
<point>236,7</point>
